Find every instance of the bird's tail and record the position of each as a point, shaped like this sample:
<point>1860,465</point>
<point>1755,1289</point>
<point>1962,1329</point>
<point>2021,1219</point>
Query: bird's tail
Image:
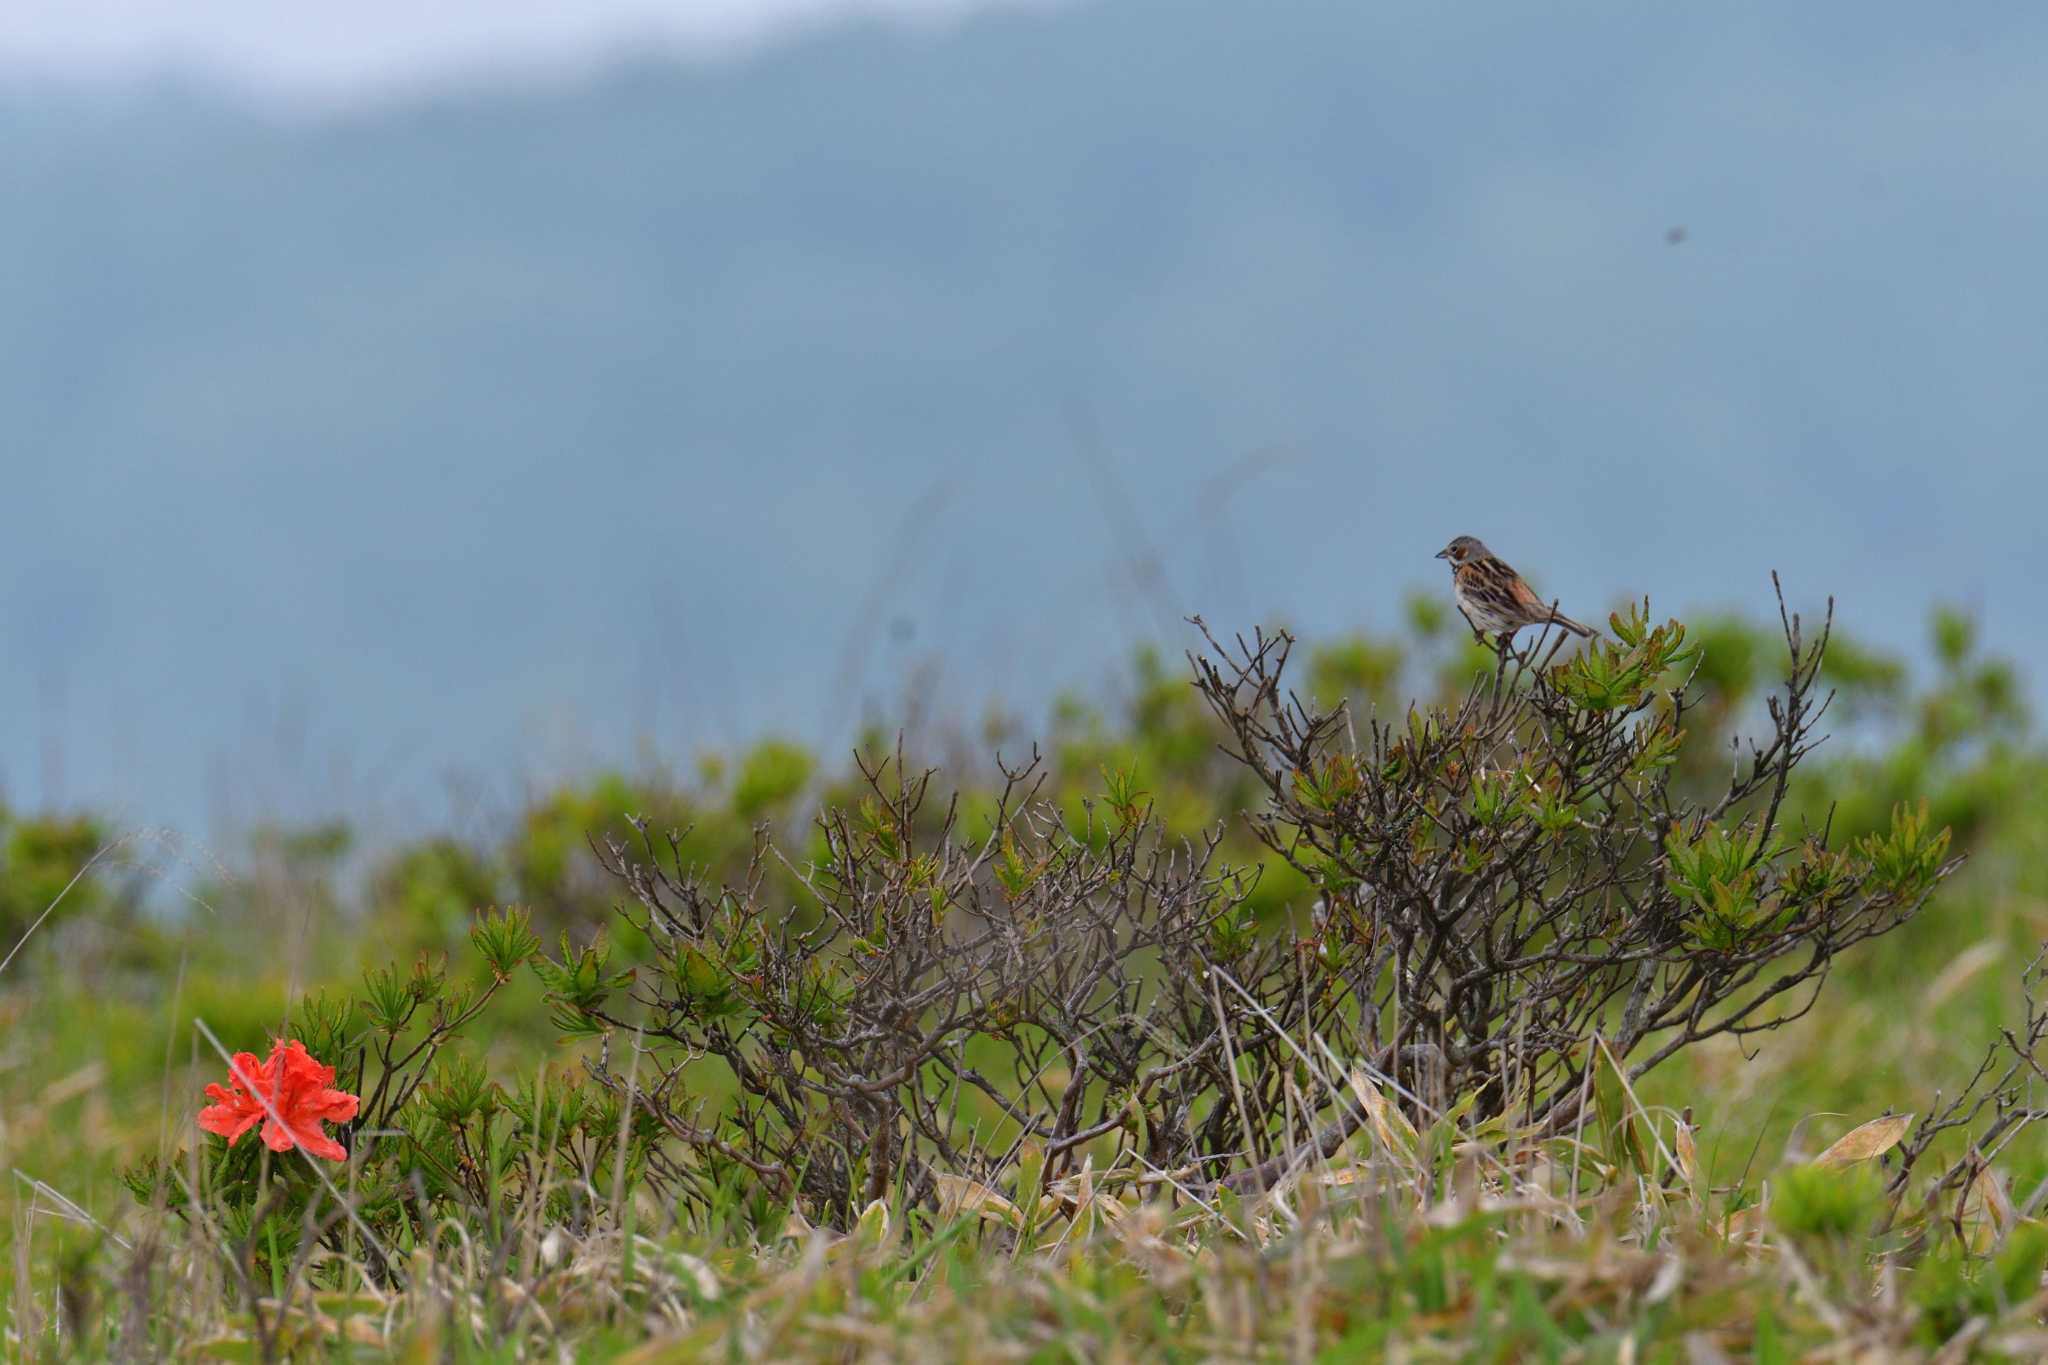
<point>1558,618</point>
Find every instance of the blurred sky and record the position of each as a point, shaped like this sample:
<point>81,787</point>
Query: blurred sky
<point>317,51</point>
<point>388,397</point>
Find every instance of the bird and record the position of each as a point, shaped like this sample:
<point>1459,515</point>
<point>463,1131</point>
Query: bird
<point>1493,597</point>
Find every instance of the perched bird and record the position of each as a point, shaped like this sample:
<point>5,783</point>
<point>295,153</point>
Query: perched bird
<point>1493,596</point>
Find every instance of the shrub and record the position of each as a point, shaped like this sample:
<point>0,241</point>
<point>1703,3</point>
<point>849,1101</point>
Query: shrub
<point>1500,880</point>
<point>1507,875</point>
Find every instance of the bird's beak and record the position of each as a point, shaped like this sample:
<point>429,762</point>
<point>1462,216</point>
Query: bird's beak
<point>1444,553</point>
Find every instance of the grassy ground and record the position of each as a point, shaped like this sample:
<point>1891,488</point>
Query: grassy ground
<point>1703,1216</point>
<point>1398,1242</point>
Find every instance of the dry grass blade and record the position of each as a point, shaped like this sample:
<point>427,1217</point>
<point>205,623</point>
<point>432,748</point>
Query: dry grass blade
<point>64,1207</point>
<point>1396,1135</point>
<point>1961,968</point>
<point>51,909</point>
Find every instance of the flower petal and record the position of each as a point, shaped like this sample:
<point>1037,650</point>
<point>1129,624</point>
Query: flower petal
<point>228,1120</point>
<point>300,1066</point>
<point>307,1135</point>
<point>321,1145</point>
<point>336,1105</point>
<point>239,1104</point>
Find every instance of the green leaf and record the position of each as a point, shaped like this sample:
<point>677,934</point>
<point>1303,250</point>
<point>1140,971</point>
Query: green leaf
<point>506,939</point>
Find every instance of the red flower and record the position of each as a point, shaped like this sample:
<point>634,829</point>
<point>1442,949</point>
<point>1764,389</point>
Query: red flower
<point>291,1095</point>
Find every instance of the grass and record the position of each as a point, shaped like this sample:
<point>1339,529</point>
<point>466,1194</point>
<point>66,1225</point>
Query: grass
<point>1440,1244</point>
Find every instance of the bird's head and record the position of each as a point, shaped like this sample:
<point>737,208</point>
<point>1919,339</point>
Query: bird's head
<point>1463,550</point>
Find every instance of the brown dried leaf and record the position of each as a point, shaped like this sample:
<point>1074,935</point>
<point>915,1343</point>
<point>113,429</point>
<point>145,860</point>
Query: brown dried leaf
<point>1874,1138</point>
<point>362,1331</point>
<point>1997,1204</point>
<point>1688,1154</point>
<point>959,1195</point>
<point>1744,1224</point>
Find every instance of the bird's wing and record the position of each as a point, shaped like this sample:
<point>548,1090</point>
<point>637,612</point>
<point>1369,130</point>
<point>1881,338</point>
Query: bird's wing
<point>1524,594</point>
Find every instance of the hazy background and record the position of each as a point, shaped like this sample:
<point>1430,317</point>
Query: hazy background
<point>502,395</point>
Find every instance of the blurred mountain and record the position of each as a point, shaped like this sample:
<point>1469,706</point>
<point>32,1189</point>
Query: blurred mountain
<point>503,430</point>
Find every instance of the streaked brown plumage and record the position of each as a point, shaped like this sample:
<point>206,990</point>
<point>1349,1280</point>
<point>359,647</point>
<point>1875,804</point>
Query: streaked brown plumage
<point>1493,596</point>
